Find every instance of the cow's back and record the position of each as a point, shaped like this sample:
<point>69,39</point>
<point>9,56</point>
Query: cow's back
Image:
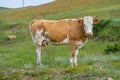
<point>57,30</point>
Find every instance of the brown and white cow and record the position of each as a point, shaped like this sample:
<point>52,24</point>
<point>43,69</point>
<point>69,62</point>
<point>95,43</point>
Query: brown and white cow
<point>73,32</point>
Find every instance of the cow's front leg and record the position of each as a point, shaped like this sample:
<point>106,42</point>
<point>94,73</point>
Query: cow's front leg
<point>72,52</point>
<point>38,53</point>
<point>75,56</point>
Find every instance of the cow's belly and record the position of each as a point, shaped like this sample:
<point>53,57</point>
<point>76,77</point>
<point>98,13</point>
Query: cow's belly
<point>64,41</point>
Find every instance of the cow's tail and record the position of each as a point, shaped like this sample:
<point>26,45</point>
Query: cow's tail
<point>30,28</point>
<point>30,24</point>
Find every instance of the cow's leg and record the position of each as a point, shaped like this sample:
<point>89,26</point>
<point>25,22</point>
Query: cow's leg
<point>38,53</point>
<point>72,52</point>
<point>75,56</point>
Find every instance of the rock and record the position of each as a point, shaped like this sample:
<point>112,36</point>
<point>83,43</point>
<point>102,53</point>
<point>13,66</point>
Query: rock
<point>10,37</point>
<point>110,78</point>
<point>103,78</point>
<point>106,78</point>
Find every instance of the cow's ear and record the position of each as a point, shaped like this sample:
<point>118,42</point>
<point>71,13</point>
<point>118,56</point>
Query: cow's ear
<point>80,21</point>
<point>95,20</point>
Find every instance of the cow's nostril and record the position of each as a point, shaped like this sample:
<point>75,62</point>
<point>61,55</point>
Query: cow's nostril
<point>89,34</point>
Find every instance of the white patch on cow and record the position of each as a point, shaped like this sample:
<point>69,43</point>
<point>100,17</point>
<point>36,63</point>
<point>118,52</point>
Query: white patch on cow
<point>74,19</point>
<point>39,38</point>
<point>88,22</point>
<point>65,41</point>
<point>70,19</point>
<point>48,40</point>
<point>66,19</point>
<point>79,44</point>
<point>46,33</point>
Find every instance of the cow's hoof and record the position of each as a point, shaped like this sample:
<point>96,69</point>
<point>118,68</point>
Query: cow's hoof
<point>72,65</point>
<point>39,64</point>
<point>75,64</point>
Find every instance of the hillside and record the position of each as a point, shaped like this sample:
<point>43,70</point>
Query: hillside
<point>18,56</point>
<point>1,8</point>
<point>66,9</point>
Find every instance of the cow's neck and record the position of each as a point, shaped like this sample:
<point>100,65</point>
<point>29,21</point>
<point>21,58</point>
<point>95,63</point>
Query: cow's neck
<point>84,37</point>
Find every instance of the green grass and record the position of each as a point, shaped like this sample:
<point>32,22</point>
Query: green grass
<point>92,62</point>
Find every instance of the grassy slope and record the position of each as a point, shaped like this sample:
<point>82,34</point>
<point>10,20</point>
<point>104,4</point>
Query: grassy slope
<point>2,9</point>
<point>66,9</point>
<point>17,57</point>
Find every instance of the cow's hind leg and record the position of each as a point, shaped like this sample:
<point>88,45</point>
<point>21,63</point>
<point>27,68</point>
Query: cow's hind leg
<point>38,53</point>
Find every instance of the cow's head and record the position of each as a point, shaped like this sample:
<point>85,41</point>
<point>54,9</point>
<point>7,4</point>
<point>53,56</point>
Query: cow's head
<point>88,24</point>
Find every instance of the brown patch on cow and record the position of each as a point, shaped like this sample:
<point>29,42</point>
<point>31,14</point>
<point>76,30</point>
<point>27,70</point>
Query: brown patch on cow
<point>76,31</point>
<point>57,30</point>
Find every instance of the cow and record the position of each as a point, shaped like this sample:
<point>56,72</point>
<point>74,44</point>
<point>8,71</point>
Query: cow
<point>74,32</point>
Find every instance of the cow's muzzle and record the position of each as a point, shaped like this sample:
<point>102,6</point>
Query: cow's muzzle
<point>89,34</point>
